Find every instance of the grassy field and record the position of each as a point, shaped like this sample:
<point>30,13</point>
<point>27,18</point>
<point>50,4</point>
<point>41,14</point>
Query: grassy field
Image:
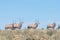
<point>30,34</point>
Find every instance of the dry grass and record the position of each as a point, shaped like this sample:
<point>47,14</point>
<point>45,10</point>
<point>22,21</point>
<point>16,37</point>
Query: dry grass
<point>30,34</point>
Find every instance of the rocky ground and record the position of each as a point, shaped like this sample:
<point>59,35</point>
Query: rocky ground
<point>30,34</point>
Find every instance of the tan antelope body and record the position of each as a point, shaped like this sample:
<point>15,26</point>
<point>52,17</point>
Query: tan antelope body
<point>34,26</point>
<point>13,26</point>
<point>9,26</point>
<point>52,26</point>
<point>18,25</point>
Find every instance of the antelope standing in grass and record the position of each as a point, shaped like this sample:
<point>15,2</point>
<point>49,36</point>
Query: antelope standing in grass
<point>14,26</point>
<point>9,26</point>
<point>51,26</point>
<point>18,25</point>
<point>34,26</point>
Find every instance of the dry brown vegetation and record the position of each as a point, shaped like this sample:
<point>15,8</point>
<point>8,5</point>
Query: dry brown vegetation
<point>30,34</point>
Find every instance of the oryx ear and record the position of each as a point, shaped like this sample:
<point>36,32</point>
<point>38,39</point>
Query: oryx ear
<point>54,23</point>
<point>37,21</point>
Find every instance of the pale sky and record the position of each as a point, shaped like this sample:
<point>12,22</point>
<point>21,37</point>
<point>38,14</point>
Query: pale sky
<point>29,11</point>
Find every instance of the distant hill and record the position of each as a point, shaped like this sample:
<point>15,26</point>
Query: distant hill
<point>30,34</point>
